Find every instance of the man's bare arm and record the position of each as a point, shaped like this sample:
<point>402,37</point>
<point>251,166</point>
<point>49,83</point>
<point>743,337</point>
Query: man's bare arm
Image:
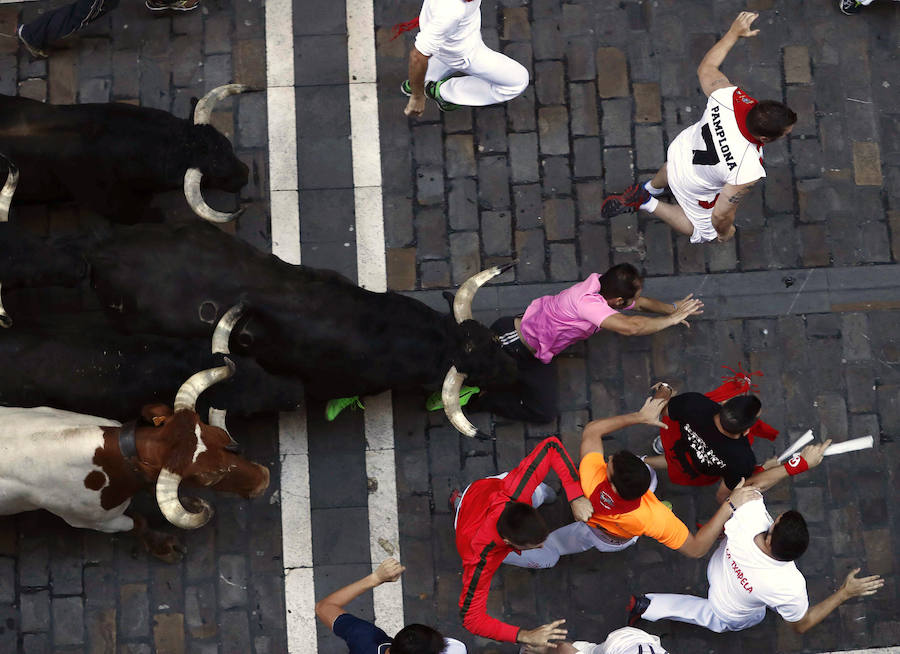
<point>711,78</point>
<point>852,587</point>
<point>726,206</point>
<point>418,65</point>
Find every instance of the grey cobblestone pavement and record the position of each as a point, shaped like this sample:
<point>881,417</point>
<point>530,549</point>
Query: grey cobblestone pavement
<point>612,84</point>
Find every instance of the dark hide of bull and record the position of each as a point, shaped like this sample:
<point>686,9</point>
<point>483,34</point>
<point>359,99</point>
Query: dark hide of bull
<point>308,323</point>
<point>110,158</point>
<point>27,261</point>
<point>107,374</point>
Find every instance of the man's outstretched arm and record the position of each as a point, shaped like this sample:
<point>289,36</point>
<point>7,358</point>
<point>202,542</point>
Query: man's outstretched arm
<point>852,587</point>
<point>330,608</point>
<point>711,78</point>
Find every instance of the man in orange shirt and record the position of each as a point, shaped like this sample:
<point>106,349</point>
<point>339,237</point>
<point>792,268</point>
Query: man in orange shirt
<point>620,488</point>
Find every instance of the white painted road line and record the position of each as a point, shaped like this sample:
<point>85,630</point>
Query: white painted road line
<point>296,519</point>
<point>384,534</point>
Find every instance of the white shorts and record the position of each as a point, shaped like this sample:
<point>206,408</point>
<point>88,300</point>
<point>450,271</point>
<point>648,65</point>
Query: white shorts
<point>688,196</point>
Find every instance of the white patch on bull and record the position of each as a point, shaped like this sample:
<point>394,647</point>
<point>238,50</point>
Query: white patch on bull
<point>201,446</point>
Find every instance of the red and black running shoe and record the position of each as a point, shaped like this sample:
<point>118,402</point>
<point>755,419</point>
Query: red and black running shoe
<point>454,500</point>
<point>636,607</point>
<point>629,200</point>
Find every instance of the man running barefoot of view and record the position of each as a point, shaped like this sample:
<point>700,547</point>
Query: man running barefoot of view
<point>712,165</point>
<point>363,637</point>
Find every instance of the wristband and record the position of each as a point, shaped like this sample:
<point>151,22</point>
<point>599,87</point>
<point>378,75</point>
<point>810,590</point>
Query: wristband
<point>796,464</point>
<point>733,509</point>
<point>675,306</point>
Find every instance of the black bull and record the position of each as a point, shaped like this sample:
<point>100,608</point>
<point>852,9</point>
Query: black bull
<point>313,324</point>
<point>112,157</point>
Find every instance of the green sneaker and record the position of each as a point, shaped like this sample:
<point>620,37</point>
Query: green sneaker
<point>433,91</point>
<point>667,504</point>
<point>406,88</point>
<point>334,407</point>
<point>466,393</point>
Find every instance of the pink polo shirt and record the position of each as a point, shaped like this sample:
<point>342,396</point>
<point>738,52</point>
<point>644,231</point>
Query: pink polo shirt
<point>553,322</point>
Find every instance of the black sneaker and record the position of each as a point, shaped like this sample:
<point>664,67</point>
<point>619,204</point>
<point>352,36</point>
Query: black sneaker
<point>36,53</point>
<point>629,200</point>
<point>636,607</point>
<point>849,7</point>
<point>433,91</point>
<point>406,88</point>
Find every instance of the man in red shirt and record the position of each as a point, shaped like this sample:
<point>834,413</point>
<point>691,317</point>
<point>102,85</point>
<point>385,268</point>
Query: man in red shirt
<point>496,516</point>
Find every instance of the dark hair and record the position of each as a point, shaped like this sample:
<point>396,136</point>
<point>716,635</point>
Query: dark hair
<point>790,537</point>
<point>630,475</point>
<point>739,414</point>
<point>622,280</point>
<point>769,118</point>
<point>417,639</point>
<point>521,525</point>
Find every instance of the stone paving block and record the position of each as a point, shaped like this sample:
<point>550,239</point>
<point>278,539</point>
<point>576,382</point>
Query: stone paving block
<point>559,219</point>
<point>648,143</point>
<point>68,621</point>
<point>549,82</point>
<point>515,24</point>
<point>429,185</point>
<point>134,616</point>
<point>617,123</point>
<point>619,169</point>
<point>493,182</point>
<point>583,109</point>
<point>580,58</point>
<point>465,260</point>
<point>460,155</point>
<point>200,611</point>
<point>523,157</point>
<point>806,155</point>
<point>491,124</point>
<point>528,206</point>
<point>530,252</point>
<point>35,89</point>
<point>545,39</point>
<point>557,176</point>
<point>434,274</point>
<point>401,269</point>
<point>866,164</point>
<point>612,73</point>
<point>563,264</point>
<point>496,232</point>
<point>462,204</point>
<point>33,562</point>
<point>647,103</point>
<point>624,230</point>
<point>553,130</point>
<point>34,609</point>
<point>796,65</point>
<point>588,157</point>
<point>520,112</point>
<point>458,121</point>
<point>594,245</point>
<point>428,149</point>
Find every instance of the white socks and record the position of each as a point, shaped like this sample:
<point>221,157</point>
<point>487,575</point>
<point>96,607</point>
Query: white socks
<point>652,190</point>
<point>650,205</point>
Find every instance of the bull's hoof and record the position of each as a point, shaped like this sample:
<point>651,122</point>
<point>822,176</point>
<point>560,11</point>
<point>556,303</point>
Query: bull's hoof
<point>163,546</point>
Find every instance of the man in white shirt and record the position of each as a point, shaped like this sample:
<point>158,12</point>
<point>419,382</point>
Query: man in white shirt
<point>449,40</point>
<point>626,640</point>
<point>712,165</point>
<point>752,569</point>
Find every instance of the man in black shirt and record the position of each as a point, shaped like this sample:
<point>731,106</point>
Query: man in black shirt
<point>711,442</point>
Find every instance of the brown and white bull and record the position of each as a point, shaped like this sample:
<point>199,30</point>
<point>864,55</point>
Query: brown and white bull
<point>86,469</point>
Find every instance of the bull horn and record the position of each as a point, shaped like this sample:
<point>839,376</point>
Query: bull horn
<point>462,303</point>
<point>5,321</point>
<point>207,103</point>
<point>194,196</point>
<point>167,497</point>
<point>222,333</point>
<point>450,397</point>
<point>6,194</point>
<point>187,395</point>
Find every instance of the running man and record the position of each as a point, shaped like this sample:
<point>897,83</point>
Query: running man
<point>626,640</point>
<point>712,165</point>
<point>496,516</point>
<point>752,569</point>
<point>621,491</point>
<point>449,41</point>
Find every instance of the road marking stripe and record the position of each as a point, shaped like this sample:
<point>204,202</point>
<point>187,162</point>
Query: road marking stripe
<point>296,520</point>
<point>384,534</point>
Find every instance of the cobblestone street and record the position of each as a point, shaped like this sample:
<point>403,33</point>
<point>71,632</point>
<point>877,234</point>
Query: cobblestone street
<point>808,293</point>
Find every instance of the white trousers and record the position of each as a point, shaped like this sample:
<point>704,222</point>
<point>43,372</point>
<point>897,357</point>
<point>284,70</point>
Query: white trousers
<point>573,539</point>
<point>491,77</point>
<point>695,610</point>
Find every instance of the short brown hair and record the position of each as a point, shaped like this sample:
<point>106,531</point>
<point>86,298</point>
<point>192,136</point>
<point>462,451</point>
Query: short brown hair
<point>769,118</point>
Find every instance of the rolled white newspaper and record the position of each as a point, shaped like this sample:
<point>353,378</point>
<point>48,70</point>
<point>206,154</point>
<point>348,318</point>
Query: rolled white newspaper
<point>852,445</point>
<point>796,445</point>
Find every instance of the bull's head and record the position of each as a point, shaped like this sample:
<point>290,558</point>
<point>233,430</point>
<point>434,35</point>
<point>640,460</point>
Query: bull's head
<point>201,454</point>
<point>479,353</point>
<point>214,158</point>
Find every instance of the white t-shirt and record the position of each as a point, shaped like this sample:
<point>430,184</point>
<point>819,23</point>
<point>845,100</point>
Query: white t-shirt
<point>742,579</point>
<point>626,640</point>
<point>449,29</point>
<point>718,149</point>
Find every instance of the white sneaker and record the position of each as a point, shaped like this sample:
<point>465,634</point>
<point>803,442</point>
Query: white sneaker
<point>658,446</point>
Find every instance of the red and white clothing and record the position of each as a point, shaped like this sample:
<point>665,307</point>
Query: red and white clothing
<point>480,546</point>
<point>743,581</point>
<point>450,34</point>
<point>711,153</point>
<point>626,640</point>
<point>553,322</point>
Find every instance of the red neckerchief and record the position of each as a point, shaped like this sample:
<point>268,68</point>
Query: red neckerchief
<point>607,502</point>
<point>743,103</point>
<point>408,26</point>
